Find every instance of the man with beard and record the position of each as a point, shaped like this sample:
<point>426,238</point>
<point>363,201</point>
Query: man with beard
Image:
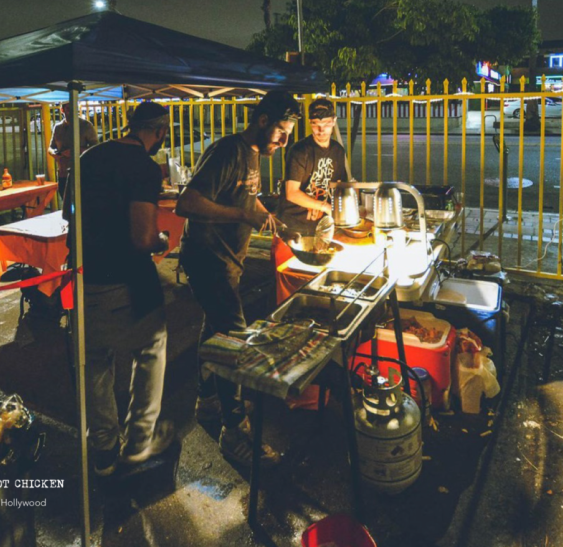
<point>61,143</point>
<point>124,309</point>
<point>222,207</point>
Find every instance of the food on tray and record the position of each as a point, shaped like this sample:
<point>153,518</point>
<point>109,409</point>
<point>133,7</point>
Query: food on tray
<point>352,291</point>
<point>412,326</point>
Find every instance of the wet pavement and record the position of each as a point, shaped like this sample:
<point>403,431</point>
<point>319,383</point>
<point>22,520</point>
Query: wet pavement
<point>490,480</point>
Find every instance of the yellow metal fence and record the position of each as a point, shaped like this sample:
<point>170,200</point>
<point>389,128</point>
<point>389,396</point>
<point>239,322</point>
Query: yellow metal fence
<point>389,134</point>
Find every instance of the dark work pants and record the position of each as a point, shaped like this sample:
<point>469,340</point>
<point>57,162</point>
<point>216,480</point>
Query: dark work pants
<point>218,294</point>
<point>62,186</point>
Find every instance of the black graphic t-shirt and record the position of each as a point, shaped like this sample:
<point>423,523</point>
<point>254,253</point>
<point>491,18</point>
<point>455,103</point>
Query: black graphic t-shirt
<point>228,173</point>
<point>315,168</point>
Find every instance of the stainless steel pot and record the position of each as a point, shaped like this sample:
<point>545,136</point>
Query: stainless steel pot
<point>345,208</point>
<point>308,250</point>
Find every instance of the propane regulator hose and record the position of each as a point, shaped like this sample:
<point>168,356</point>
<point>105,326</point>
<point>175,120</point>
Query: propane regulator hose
<point>410,373</point>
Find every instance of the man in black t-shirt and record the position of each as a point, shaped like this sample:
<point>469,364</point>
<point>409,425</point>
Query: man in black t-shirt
<point>222,206</point>
<point>123,298</point>
<point>312,163</point>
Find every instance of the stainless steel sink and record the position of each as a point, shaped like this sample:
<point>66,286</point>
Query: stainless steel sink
<point>333,281</point>
<point>318,308</point>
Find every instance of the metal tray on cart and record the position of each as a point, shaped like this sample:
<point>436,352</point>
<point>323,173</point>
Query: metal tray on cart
<point>334,282</point>
<point>302,306</point>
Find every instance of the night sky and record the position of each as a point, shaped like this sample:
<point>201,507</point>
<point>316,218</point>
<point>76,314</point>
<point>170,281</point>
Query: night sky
<point>231,22</point>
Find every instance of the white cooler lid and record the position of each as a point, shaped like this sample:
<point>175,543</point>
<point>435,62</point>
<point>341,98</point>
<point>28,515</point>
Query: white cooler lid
<point>470,293</point>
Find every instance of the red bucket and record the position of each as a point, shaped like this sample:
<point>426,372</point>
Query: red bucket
<point>338,531</point>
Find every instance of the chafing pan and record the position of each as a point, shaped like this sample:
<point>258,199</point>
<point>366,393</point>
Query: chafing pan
<point>334,282</point>
<point>318,308</point>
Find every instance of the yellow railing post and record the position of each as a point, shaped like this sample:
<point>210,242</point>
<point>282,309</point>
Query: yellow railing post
<point>364,121</point>
<point>463,158</point>
<point>395,105</point>
<point>182,139</point>
<point>47,135</point>
<point>541,175</point>
<point>520,172</point>
<point>411,132</point>
<point>349,123</point>
<point>502,192</point>
<point>446,130</point>
<point>428,133</point>
<point>482,168</point>
<point>379,165</point>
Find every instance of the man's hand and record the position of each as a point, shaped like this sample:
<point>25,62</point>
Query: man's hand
<point>289,236</point>
<point>257,219</point>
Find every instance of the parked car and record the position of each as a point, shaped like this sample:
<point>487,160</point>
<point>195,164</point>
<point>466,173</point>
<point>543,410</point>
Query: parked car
<point>35,124</point>
<point>512,108</point>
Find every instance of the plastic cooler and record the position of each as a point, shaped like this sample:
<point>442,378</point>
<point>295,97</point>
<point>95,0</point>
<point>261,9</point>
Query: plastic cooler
<point>435,358</point>
<point>472,304</point>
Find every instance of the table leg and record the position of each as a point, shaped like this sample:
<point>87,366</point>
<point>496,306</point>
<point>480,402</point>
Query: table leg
<point>352,440</point>
<point>256,453</point>
<point>399,337</point>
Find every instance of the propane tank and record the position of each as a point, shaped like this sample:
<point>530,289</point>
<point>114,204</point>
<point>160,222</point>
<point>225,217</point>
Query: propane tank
<point>389,433</point>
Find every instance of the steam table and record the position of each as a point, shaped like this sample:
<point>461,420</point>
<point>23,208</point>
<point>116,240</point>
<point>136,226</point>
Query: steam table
<point>338,352</point>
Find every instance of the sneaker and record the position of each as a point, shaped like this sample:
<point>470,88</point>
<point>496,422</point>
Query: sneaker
<point>105,461</point>
<point>208,409</point>
<point>236,444</point>
<point>162,437</point>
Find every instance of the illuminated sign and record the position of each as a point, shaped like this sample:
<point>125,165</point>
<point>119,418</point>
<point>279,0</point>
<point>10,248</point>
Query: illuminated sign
<point>556,61</point>
<point>485,70</point>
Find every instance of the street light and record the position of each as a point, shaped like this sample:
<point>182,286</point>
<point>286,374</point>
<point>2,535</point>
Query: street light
<point>110,5</point>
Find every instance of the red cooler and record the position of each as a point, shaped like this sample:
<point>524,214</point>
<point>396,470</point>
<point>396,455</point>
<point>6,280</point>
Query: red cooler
<point>436,358</point>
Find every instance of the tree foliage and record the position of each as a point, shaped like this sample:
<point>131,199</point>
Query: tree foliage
<point>354,40</point>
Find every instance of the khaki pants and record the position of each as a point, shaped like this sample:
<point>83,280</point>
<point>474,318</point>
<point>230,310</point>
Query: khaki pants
<point>111,326</point>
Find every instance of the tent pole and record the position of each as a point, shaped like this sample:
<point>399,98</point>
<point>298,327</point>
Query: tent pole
<point>77,314</point>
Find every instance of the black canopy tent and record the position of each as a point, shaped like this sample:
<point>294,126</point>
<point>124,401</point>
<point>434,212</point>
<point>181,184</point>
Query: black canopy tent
<point>109,48</point>
<point>143,59</point>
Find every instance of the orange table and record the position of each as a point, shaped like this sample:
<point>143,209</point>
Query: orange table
<point>29,195</point>
<point>39,242</point>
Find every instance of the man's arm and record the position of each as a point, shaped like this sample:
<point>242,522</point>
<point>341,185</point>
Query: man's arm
<point>90,136</point>
<point>192,204</point>
<point>53,149</point>
<point>144,230</point>
<point>296,195</point>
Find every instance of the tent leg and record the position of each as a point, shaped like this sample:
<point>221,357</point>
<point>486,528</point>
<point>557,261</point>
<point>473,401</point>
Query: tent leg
<point>78,312</point>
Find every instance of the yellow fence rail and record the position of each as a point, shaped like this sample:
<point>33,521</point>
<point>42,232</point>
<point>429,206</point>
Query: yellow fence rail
<point>513,201</point>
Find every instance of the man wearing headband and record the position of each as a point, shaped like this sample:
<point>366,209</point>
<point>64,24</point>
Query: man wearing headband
<point>222,207</point>
<point>61,143</point>
<point>124,310</point>
<point>312,163</point>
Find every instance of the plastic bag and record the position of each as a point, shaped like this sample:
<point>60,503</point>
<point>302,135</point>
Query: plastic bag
<point>475,376</point>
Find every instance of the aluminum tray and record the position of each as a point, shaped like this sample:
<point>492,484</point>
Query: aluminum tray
<point>329,278</point>
<point>312,306</point>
